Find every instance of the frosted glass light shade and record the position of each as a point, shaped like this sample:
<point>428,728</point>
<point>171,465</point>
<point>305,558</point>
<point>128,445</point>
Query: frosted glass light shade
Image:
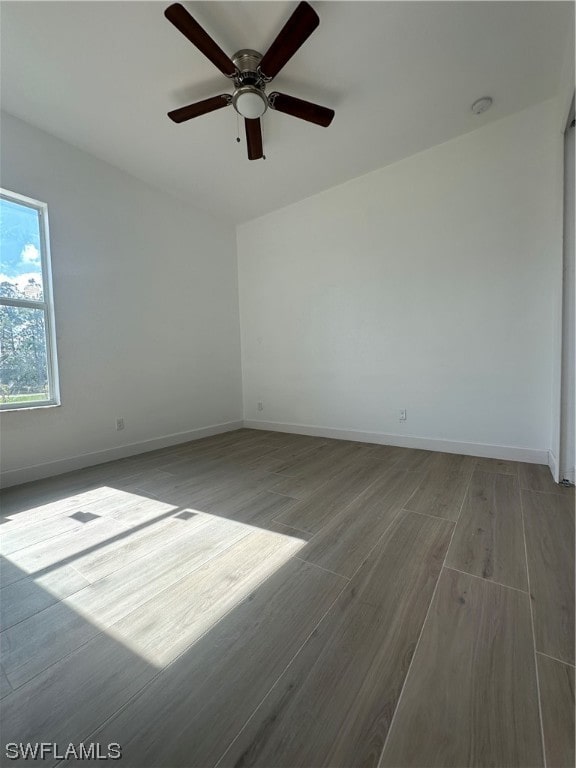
<point>250,104</point>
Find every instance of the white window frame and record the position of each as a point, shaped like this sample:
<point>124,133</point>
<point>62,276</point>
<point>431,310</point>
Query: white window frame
<point>46,305</point>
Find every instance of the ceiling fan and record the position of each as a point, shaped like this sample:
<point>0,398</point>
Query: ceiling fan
<point>251,72</point>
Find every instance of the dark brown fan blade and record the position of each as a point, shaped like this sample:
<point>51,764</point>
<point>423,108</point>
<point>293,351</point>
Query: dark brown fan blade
<point>305,110</point>
<point>190,28</point>
<point>199,108</point>
<point>254,138</point>
<point>297,29</point>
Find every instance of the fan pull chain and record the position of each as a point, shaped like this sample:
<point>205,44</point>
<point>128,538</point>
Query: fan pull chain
<point>237,129</point>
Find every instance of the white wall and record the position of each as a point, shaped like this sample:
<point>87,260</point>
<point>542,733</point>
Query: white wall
<point>146,310</point>
<point>427,285</point>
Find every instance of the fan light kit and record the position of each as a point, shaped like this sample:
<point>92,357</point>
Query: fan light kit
<point>481,105</point>
<point>249,102</point>
<point>251,72</point>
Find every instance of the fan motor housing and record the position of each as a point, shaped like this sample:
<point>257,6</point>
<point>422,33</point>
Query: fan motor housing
<point>247,62</point>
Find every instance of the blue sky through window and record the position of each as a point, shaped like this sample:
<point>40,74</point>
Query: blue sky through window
<point>20,258</point>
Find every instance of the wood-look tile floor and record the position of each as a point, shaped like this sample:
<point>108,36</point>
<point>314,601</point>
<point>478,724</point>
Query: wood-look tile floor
<point>266,599</point>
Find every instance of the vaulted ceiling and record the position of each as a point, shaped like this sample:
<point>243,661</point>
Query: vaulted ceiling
<point>400,75</point>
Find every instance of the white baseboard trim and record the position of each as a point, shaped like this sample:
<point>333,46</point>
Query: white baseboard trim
<point>568,474</point>
<point>60,466</point>
<point>483,450</point>
<point>554,466</point>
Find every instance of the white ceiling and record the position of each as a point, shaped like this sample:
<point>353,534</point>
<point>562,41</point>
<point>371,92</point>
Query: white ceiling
<point>400,75</point>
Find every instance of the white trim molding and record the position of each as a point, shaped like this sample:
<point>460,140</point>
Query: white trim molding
<point>570,475</point>
<point>554,466</point>
<point>482,450</point>
<point>60,466</point>
<point>564,473</point>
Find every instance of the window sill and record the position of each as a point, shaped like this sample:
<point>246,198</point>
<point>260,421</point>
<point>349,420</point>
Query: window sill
<point>20,408</point>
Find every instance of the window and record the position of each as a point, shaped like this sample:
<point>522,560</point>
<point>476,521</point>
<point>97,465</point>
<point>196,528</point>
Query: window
<point>28,371</point>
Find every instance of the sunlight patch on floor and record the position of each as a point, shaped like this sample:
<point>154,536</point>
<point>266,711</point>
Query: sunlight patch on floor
<point>174,620</point>
<point>128,594</point>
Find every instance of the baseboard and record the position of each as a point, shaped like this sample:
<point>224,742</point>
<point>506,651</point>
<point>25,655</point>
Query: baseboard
<point>568,474</point>
<point>483,450</point>
<point>554,466</point>
<point>58,467</point>
<point>560,473</point>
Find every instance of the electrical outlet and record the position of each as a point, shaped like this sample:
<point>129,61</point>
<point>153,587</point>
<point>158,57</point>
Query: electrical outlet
<point>120,423</point>
<point>260,405</point>
<point>402,415</point>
